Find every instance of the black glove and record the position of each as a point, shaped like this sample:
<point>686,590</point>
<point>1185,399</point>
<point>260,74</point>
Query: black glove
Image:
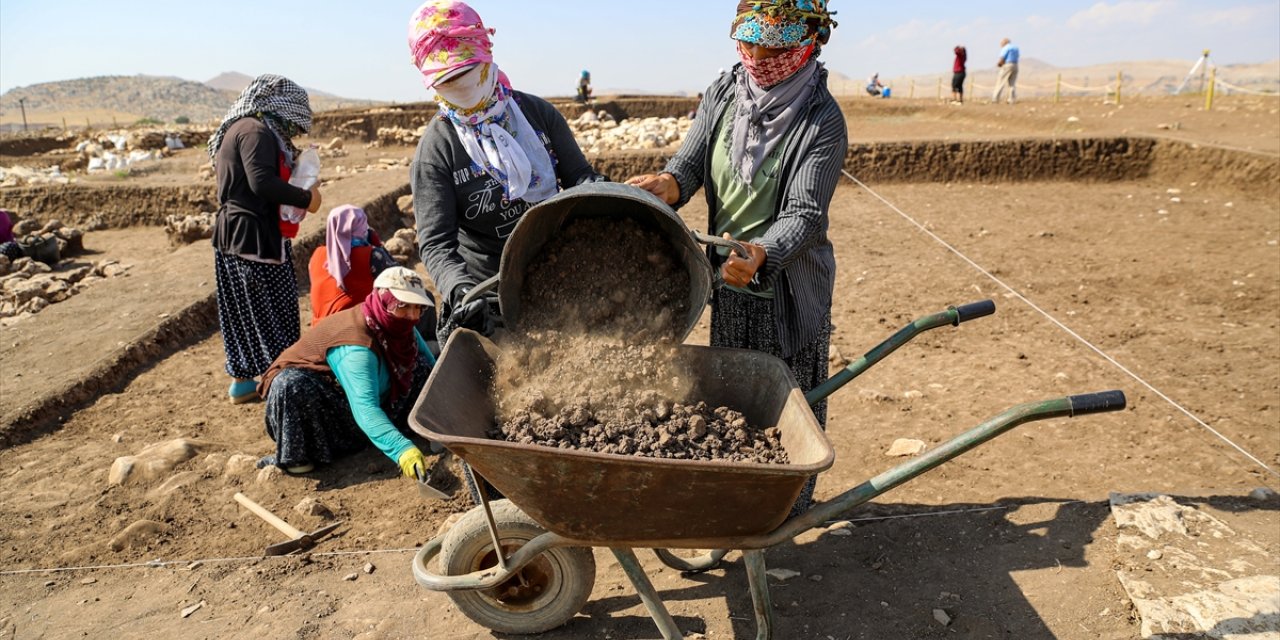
<point>480,315</point>
<point>474,315</point>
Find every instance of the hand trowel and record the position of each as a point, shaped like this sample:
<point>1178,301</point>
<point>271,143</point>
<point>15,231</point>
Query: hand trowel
<point>425,490</point>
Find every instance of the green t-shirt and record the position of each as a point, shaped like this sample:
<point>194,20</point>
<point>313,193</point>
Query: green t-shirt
<point>744,212</point>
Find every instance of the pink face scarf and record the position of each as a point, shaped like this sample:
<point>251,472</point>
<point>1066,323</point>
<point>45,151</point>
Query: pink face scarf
<point>345,223</point>
<point>395,336</point>
<point>772,93</point>
<point>771,71</point>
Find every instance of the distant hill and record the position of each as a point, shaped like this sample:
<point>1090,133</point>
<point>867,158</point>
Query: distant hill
<point>131,97</point>
<point>232,81</point>
<point>1039,78</point>
<point>235,82</point>
<point>120,100</point>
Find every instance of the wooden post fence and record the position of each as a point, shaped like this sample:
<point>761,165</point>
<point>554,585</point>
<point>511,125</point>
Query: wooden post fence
<point>1208,95</point>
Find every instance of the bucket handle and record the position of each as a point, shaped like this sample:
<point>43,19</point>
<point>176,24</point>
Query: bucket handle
<point>479,290</point>
<point>722,242</point>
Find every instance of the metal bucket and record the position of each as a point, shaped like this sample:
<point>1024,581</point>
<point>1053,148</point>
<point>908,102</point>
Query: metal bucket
<point>544,220</point>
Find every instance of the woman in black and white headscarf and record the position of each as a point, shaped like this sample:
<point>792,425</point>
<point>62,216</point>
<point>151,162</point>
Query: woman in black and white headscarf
<point>253,156</point>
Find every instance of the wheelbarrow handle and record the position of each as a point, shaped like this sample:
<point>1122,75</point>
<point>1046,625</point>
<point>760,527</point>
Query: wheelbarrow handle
<point>952,316</point>
<point>973,311</point>
<point>841,504</point>
<point>1099,402</point>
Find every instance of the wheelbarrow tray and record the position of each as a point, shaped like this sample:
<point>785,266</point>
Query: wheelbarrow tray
<point>619,500</point>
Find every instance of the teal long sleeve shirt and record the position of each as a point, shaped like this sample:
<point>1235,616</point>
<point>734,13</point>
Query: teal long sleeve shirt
<point>365,379</point>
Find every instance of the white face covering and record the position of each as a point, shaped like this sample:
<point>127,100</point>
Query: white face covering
<point>468,90</point>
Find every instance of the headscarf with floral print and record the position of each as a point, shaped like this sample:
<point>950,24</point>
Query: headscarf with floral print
<point>446,36</point>
<point>772,92</point>
<point>783,24</point>
<point>446,39</point>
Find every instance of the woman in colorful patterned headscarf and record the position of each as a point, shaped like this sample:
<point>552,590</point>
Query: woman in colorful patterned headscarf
<point>767,146</point>
<point>490,153</point>
<point>253,153</point>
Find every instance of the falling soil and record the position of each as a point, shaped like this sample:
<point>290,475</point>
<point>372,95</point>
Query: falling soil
<point>594,363</point>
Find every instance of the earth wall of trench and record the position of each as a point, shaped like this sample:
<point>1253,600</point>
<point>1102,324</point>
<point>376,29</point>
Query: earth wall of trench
<point>1025,160</point>
<point>1069,160</point>
<point>115,206</point>
<point>362,124</point>
<point>195,320</point>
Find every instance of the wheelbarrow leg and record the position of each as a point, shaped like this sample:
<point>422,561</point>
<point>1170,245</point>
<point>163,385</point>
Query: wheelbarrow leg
<point>658,611</point>
<point>759,582</point>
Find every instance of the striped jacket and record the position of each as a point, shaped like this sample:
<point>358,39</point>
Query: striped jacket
<point>800,265</point>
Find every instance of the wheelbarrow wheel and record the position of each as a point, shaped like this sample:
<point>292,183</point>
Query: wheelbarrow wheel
<point>542,595</point>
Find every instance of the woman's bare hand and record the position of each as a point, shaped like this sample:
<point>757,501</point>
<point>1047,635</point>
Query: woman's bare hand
<point>663,185</point>
<point>315,199</point>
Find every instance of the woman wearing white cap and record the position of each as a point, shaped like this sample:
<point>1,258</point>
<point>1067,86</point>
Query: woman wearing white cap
<point>350,380</point>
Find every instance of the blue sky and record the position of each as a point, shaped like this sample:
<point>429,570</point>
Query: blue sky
<point>358,50</point>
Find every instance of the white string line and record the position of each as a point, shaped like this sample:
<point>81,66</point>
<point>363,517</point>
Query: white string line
<point>1062,326</point>
<point>1242,89</point>
<point>165,563</point>
<point>1105,87</point>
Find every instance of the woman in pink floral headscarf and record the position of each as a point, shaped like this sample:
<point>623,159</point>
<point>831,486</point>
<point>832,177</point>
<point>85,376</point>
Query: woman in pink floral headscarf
<point>490,154</point>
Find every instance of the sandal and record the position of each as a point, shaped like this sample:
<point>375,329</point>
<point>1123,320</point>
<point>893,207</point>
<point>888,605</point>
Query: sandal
<point>297,469</point>
<point>243,391</point>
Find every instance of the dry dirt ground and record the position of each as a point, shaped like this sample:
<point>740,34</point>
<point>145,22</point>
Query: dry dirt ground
<point>1096,289</point>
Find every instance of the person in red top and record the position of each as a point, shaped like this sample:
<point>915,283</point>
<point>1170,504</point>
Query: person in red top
<point>957,75</point>
<point>341,271</point>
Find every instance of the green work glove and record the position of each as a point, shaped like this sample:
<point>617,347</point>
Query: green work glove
<point>412,464</point>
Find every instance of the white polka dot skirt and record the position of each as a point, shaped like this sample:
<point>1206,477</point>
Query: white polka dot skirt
<point>257,311</point>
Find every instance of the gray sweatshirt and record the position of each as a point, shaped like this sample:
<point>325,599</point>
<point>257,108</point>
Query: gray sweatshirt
<point>461,216</point>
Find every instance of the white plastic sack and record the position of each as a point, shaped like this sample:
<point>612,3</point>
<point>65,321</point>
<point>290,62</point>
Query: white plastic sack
<point>306,173</point>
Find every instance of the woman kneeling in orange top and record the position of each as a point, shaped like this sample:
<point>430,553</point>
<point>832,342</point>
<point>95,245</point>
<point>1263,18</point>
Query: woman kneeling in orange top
<point>342,270</point>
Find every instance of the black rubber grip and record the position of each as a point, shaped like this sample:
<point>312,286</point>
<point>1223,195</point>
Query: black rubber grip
<point>1097,402</point>
<point>967,312</point>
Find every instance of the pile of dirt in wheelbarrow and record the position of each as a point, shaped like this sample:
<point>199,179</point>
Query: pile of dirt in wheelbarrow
<point>593,365</point>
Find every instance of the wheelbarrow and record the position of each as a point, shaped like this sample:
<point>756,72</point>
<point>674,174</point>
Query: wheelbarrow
<point>524,564</point>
